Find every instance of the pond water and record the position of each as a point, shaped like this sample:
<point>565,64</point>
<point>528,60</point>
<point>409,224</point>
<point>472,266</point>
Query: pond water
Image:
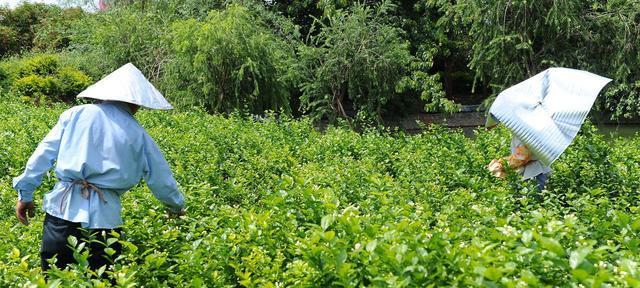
<point>609,131</point>
<point>470,121</point>
<point>613,130</point>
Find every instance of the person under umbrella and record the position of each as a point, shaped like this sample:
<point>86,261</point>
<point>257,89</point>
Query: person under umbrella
<point>100,151</point>
<point>544,113</point>
<point>522,161</point>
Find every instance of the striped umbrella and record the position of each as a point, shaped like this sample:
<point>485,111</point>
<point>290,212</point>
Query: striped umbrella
<point>547,110</point>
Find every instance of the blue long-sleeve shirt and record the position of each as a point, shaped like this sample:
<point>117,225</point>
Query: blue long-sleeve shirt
<point>104,145</point>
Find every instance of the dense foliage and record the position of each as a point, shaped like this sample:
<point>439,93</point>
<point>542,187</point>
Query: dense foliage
<point>276,203</point>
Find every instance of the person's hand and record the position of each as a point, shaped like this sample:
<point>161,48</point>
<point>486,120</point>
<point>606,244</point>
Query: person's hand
<point>494,166</point>
<point>496,169</point>
<point>24,209</point>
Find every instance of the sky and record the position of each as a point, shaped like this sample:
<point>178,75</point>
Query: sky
<point>14,3</point>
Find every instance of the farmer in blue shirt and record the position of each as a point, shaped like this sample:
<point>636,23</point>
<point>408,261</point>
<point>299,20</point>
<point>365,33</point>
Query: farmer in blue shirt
<point>100,151</point>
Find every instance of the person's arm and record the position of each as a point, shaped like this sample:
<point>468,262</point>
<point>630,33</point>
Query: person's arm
<point>159,178</point>
<point>40,161</point>
<point>520,157</point>
<point>38,164</point>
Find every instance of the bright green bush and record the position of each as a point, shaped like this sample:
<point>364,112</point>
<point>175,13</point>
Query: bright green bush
<point>35,88</point>
<point>229,62</point>
<point>71,83</point>
<point>39,64</point>
<point>278,203</point>
<point>43,78</point>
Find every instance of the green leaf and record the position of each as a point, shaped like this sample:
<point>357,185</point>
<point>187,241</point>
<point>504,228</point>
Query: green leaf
<point>580,274</point>
<point>371,245</point>
<point>577,256</point>
<point>15,253</point>
<point>73,241</point>
<point>635,225</point>
<point>110,251</point>
<point>110,241</point>
<point>526,237</point>
<point>493,274</point>
<point>329,235</point>
<point>197,282</point>
<point>101,270</point>
<point>326,221</point>
<point>81,246</point>
<point>552,245</point>
<point>529,277</point>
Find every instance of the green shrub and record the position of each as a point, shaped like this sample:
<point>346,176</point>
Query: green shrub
<point>229,62</point>
<point>42,78</point>
<point>588,167</point>
<point>35,87</point>
<point>40,64</point>
<point>71,82</point>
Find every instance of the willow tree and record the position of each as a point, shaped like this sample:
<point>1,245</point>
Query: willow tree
<point>230,62</point>
<point>354,63</point>
<point>513,40</point>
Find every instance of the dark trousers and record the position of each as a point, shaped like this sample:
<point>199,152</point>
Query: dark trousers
<point>541,181</point>
<point>54,243</point>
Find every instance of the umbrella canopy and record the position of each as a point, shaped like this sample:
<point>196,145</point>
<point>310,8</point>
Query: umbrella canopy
<point>546,111</point>
<point>127,84</point>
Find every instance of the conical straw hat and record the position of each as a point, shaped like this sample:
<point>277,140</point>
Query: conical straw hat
<point>127,84</point>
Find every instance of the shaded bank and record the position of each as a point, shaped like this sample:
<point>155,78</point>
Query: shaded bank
<point>472,120</point>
